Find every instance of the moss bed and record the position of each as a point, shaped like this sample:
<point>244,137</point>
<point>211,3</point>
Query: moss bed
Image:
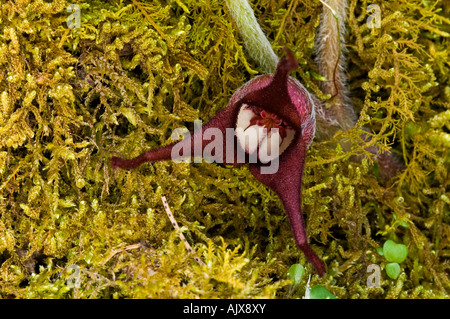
<point>135,71</point>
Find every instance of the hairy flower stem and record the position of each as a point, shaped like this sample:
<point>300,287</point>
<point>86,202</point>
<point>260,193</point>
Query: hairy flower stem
<point>339,114</point>
<point>256,42</point>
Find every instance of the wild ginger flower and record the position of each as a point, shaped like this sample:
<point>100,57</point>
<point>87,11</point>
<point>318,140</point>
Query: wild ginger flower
<point>273,118</point>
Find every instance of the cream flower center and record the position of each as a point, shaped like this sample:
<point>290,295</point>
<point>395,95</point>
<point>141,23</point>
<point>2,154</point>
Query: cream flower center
<point>260,131</point>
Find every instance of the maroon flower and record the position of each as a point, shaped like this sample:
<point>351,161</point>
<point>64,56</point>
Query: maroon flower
<point>274,120</point>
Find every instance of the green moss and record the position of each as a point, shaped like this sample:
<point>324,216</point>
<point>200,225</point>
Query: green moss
<point>133,72</point>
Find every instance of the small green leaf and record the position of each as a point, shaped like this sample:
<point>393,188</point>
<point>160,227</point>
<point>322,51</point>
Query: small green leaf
<point>320,292</point>
<point>295,273</point>
<point>380,251</point>
<point>394,252</point>
<point>393,270</point>
<point>404,224</point>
